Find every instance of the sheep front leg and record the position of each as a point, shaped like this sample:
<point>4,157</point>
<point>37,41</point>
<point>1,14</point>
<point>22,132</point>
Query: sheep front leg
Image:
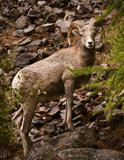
<point>69,89</point>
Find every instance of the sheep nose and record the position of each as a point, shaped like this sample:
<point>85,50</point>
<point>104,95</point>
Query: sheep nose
<point>90,42</point>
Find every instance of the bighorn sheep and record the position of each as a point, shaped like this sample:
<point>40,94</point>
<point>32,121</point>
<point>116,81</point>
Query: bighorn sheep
<point>49,78</point>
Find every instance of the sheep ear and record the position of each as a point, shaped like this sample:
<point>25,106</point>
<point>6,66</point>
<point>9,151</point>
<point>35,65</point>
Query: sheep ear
<point>98,29</point>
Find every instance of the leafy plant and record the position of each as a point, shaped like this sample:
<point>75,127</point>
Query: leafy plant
<point>6,127</point>
<point>114,83</point>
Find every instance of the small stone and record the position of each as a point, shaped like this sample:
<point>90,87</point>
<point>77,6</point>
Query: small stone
<point>43,109</point>
<point>20,49</point>
<point>14,13</point>
<point>34,14</point>
<point>41,3</point>
<point>37,121</point>
<point>62,114</point>
<point>51,18</point>
<point>40,29</point>
<point>49,130</point>
<point>39,21</point>
<point>63,25</point>
<point>105,65</point>
<point>18,33</point>
<point>21,22</point>
<point>69,16</point>
<point>58,11</point>
<point>49,9</point>
<point>16,158</point>
<point>54,111</point>
<point>24,59</point>
<point>70,13</point>
<point>89,94</point>
<point>5,11</point>
<point>49,26</point>
<point>35,43</point>
<point>24,41</point>
<point>3,23</point>
<point>98,108</point>
<point>79,109</point>
<point>29,30</point>
<point>44,40</point>
<point>32,1</point>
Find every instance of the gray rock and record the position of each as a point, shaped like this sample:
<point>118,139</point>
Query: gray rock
<point>21,22</point>
<point>63,25</point>
<point>41,3</point>
<point>84,7</point>
<point>3,23</point>
<point>58,11</point>
<point>49,26</point>
<point>82,137</point>
<point>24,59</point>
<point>32,1</point>
<point>35,43</point>
<point>40,29</point>
<point>54,110</point>
<point>91,154</point>
<point>20,49</point>
<point>39,21</point>
<point>14,13</point>
<point>42,153</point>
<point>37,121</point>
<point>5,11</point>
<point>117,118</point>
<point>69,15</point>
<point>34,14</point>
<point>29,30</point>
<point>49,9</point>
<point>56,3</point>
<point>24,41</point>
<point>16,158</point>
<point>51,18</point>
<point>18,33</point>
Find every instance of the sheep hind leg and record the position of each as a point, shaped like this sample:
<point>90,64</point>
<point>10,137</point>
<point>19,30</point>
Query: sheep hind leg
<point>65,118</point>
<point>28,110</point>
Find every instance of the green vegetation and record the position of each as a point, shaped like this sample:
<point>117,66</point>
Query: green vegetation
<point>6,131</point>
<point>114,82</point>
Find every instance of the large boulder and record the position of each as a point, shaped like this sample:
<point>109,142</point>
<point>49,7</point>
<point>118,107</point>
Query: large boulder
<point>82,137</point>
<point>91,154</point>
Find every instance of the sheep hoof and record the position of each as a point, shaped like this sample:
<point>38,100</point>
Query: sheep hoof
<point>72,129</point>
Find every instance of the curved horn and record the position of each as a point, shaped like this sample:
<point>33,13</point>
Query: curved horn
<point>71,27</point>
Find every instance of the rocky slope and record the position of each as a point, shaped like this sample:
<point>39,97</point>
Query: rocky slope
<point>32,30</point>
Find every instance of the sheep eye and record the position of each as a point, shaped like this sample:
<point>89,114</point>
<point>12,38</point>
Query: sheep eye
<point>81,34</point>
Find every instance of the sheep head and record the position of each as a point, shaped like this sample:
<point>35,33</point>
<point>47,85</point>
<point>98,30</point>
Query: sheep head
<point>87,33</point>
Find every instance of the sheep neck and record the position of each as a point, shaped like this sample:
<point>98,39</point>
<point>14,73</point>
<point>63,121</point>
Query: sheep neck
<point>87,55</point>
